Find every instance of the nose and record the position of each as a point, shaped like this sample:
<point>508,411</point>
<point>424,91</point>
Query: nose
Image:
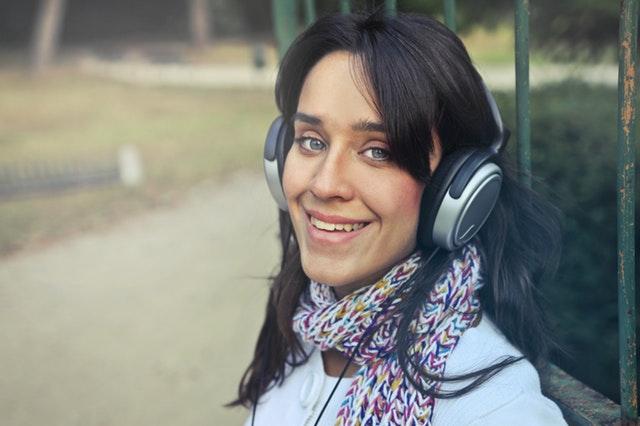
<point>331,179</point>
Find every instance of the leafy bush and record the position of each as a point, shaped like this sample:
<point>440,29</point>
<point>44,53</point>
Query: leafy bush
<point>574,155</point>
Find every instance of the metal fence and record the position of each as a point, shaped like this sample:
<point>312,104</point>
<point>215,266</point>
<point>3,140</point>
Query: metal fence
<point>580,404</point>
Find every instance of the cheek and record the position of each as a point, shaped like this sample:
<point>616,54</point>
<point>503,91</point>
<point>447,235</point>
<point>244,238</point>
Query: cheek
<point>411,195</point>
<point>401,203</point>
<point>287,181</point>
<point>291,179</point>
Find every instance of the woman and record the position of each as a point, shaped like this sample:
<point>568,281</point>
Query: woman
<point>385,309</point>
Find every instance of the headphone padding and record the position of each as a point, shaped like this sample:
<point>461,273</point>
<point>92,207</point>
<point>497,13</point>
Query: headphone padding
<point>435,191</point>
<point>273,160</point>
<point>459,219</point>
<point>468,169</point>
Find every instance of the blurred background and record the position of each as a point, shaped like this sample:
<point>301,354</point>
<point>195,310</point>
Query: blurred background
<point>137,234</point>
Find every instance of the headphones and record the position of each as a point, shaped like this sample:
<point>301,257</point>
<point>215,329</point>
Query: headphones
<point>455,204</point>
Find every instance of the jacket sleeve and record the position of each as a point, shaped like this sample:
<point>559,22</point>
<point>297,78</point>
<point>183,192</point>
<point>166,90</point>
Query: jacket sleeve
<point>525,409</point>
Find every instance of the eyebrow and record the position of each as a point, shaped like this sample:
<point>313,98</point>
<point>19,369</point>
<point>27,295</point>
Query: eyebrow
<point>368,126</point>
<point>306,118</point>
<point>360,126</point>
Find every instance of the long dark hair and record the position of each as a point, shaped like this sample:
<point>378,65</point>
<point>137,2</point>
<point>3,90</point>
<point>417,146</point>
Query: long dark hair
<point>421,78</point>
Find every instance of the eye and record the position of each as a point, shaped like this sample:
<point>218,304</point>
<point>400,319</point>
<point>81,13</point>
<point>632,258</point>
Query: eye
<point>377,154</point>
<point>310,144</point>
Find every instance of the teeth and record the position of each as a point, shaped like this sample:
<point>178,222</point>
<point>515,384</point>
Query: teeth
<point>346,227</point>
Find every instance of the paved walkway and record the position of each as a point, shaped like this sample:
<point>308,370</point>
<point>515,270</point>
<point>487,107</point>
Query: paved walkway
<point>148,323</point>
<point>182,75</point>
<point>499,77</point>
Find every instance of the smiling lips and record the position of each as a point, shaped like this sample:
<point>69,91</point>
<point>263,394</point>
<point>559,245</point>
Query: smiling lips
<point>344,227</point>
<point>329,225</point>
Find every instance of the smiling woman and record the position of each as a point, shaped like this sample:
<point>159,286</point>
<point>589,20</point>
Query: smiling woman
<point>339,175</point>
<point>410,255</point>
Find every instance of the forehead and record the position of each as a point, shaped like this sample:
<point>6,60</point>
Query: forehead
<point>335,89</point>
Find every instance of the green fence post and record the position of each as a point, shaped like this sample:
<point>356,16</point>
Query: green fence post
<point>450,14</point>
<point>345,6</point>
<point>309,11</point>
<point>627,105</point>
<point>390,7</point>
<point>285,20</point>
<point>522,91</point>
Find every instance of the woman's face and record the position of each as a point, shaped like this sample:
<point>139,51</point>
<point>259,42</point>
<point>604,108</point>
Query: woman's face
<point>354,212</point>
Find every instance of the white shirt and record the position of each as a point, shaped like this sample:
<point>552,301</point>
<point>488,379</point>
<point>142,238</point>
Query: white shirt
<point>511,397</point>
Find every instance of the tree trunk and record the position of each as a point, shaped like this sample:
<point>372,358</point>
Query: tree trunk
<point>46,33</point>
<point>199,22</point>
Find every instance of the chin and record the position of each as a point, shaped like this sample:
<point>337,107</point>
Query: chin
<point>336,274</point>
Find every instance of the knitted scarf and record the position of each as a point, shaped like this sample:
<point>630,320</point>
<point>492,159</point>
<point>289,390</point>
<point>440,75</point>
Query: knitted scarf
<point>380,392</point>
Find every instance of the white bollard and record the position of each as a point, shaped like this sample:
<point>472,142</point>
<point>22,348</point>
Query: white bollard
<point>130,165</point>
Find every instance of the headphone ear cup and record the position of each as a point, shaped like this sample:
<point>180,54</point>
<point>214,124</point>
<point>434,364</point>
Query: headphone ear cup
<point>460,199</point>
<point>435,192</point>
<point>273,160</point>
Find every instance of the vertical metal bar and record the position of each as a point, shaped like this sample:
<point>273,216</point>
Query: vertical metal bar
<point>450,14</point>
<point>345,6</point>
<point>390,7</point>
<point>309,11</point>
<point>285,21</point>
<point>522,91</point>
<point>627,105</point>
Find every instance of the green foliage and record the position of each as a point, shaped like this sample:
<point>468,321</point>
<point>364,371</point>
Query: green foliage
<point>574,155</point>
<point>568,29</point>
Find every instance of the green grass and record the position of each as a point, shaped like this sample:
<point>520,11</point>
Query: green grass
<point>493,47</point>
<point>184,136</point>
<point>496,46</point>
<point>231,52</point>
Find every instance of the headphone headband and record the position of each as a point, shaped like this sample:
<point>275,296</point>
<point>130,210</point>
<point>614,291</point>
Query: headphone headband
<point>497,144</point>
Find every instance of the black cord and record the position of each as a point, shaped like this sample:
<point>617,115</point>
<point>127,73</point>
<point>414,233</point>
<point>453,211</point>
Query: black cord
<point>255,404</point>
<point>253,413</point>
<point>344,370</point>
<point>364,336</point>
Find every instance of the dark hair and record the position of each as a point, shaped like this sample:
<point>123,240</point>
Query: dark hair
<point>421,78</point>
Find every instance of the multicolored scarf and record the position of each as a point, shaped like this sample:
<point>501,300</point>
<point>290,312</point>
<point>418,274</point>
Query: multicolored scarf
<point>380,393</point>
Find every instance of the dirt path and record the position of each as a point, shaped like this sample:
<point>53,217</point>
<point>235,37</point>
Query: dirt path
<point>148,323</point>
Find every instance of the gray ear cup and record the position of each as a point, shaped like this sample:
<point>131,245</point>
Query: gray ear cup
<point>459,219</point>
<point>273,158</point>
<point>459,199</point>
<point>435,192</point>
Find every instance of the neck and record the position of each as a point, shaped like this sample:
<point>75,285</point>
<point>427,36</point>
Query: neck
<point>341,291</point>
<point>334,362</point>
<point>344,290</point>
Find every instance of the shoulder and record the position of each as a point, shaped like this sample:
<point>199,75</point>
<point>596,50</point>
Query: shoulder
<point>512,394</point>
<point>283,392</point>
<point>282,400</point>
<point>524,409</point>
<point>299,396</point>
